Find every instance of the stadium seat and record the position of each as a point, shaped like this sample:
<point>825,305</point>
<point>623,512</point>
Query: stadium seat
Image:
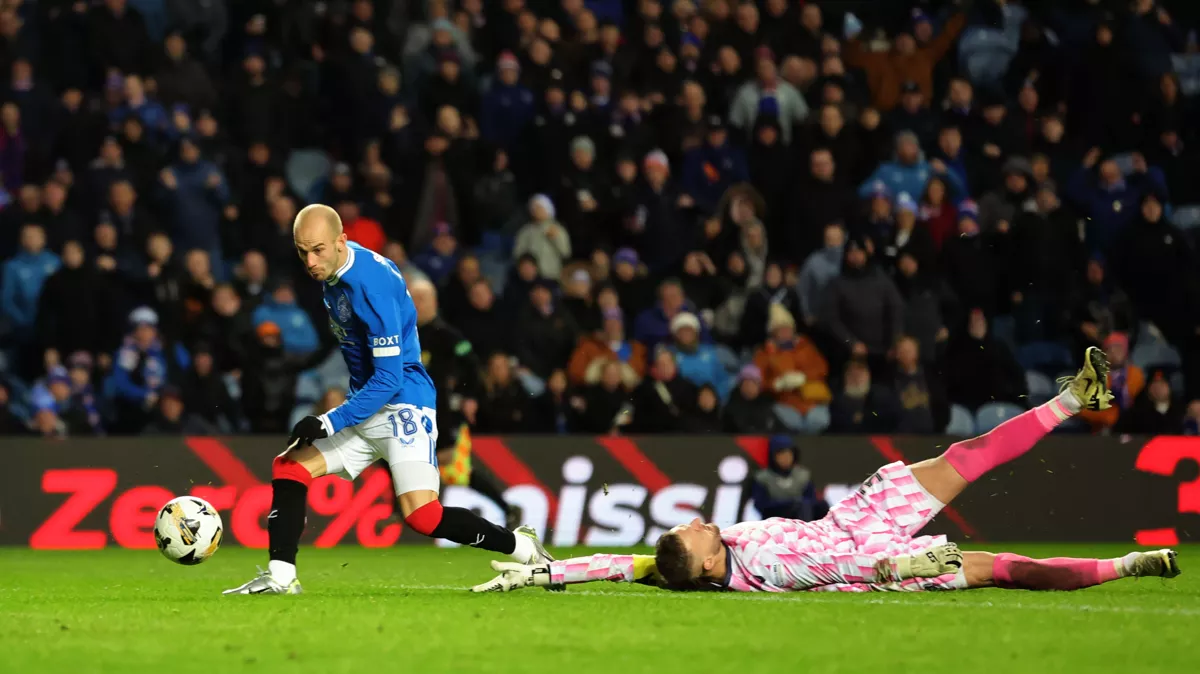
<point>1044,356</point>
<point>789,417</point>
<point>1155,353</point>
<point>1041,387</point>
<point>1186,217</point>
<point>991,415</point>
<point>305,170</point>
<point>962,422</point>
<point>817,420</point>
<point>533,384</point>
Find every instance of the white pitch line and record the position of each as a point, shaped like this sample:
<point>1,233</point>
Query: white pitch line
<point>815,598</point>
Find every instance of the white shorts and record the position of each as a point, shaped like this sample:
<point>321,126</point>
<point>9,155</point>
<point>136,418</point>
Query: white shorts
<point>403,435</point>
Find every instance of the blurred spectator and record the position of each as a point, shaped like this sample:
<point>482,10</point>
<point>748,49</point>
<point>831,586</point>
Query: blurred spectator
<point>450,359</point>
<point>860,405</point>
<point>821,199</point>
<point>54,394</point>
<point>767,94</point>
<point>507,106</point>
<point>1098,308</point>
<point>75,307</point>
<point>863,309</point>
<point>819,270</point>
<point>173,417</point>
<point>908,172</point>
<point>610,345</point>
<point>657,224</point>
<point>633,286</point>
<point>773,291</point>
<point>10,423</point>
<point>713,167</point>
<point>1108,199</point>
<point>438,260</point>
<point>554,411</point>
<point>909,238</point>
<point>582,196</point>
<point>653,325</point>
<point>1125,380</point>
<point>791,365</point>
<point>24,276</point>
<point>1156,411</point>
<point>269,381</point>
<point>1157,267</point>
<point>482,323</point>
<point>194,192</point>
<point>359,228</point>
<point>543,238</point>
<point>664,399</point>
<point>206,395</point>
<point>698,363</point>
<point>749,409</point>
<point>969,263</point>
<point>603,398</point>
<point>706,415</point>
<point>785,488</point>
<point>980,369</point>
<point>139,372</point>
<point>296,328</point>
<point>924,409</point>
<point>504,405</point>
<point>927,302</point>
<point>907,61</point>
<point>545,333</point>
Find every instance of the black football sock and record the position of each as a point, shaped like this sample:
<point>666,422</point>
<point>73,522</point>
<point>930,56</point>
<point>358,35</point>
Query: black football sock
<point>464,527</point>
<point>285,523</point>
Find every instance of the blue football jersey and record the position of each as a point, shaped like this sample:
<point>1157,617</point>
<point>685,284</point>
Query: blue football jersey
<point>373,317</point>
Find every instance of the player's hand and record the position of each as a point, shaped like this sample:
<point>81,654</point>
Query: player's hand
<point>514,576</point>
<point>167,176</point>
<point>305,431</point>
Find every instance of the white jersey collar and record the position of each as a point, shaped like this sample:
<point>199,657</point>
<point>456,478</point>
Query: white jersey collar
<point>337,275</point>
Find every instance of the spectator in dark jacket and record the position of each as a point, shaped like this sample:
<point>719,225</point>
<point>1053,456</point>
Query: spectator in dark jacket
<point>980,369</point>
<point>545,333</point>
<point>749,409</point>
<point>269,381</point>
<point>785,488</point>
<point>657,222</point>
<point>714,167</point>
<point>860,405</point>
<point>1108,199</point>
<point>507,105</point>
<point>1156,411</point>
<point>664,399</point>
<point>173,418</point>
<point>195,192</point>
<point>920,392</point>
<point>863,310</point>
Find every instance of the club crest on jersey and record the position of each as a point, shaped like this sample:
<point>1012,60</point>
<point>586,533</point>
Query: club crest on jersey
<point>343,308</point>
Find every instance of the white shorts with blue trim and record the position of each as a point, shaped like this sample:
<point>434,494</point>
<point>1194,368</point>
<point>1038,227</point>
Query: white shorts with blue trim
<point>403,435</point>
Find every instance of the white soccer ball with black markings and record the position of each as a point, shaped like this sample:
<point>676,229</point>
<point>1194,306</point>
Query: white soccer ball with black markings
<point>187,530</point>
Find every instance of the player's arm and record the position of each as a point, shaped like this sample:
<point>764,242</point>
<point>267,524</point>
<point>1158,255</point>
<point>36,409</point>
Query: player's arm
<point>381,315</point>
<point>791,570</point>
<point>598,567</point>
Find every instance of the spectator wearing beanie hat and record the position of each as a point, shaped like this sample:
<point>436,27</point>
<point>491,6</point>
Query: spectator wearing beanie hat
<point>697,362</point>
<point>909,236</point>
<point>791,365</point>
<point>139,371</point>
<point>750,409</point>
<point>907,172</point>
<point>543,238</point>
<point>657,222</point>
<point>507,106</point>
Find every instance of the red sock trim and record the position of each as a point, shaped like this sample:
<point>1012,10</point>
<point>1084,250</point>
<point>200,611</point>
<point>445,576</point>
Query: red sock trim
<point>283,468</point>
<point>425,519</point>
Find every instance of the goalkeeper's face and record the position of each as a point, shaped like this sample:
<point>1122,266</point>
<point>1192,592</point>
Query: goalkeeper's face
<point>690,552</point>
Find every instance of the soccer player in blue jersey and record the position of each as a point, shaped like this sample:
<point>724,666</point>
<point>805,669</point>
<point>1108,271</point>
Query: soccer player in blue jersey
<point>389,414</point>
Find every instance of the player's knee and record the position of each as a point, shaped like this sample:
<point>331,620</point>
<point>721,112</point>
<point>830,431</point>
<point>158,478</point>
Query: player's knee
<point>287,468</point>
<point>425,519</point>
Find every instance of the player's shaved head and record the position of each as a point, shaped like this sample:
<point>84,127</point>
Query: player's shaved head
<point>320,241</point>
<point>313,217</point>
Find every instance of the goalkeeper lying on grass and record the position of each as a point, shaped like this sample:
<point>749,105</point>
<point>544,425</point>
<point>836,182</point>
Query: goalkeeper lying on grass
<point>866,542</point>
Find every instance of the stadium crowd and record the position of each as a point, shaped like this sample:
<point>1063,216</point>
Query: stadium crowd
<point>634,216</point>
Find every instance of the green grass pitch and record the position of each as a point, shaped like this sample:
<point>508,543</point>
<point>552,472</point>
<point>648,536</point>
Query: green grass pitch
<point>404,609</point>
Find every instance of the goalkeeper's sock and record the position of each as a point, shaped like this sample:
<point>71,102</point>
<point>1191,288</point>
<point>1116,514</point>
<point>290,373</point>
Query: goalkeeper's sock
<point>1015,572</point>
<point>285,523</point>
<point>463,527</point>
<point>972,458</point>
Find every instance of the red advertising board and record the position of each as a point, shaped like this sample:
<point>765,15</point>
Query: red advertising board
<point>605,491</point>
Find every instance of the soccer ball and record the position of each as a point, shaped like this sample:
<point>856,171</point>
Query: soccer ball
<point>187,530</point>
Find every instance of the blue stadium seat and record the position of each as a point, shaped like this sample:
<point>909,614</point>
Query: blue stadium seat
<point>305,170</point>
<point>1155,353</point>
<point>991,415</point>
<point>817,420</point>
<point>962,422</point>
<point>1044,356</point>
<point>1041,387</point>
<point>789,417</point>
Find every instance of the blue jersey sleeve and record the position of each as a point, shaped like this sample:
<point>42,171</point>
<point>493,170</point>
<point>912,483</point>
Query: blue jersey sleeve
<point>384,318</point>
